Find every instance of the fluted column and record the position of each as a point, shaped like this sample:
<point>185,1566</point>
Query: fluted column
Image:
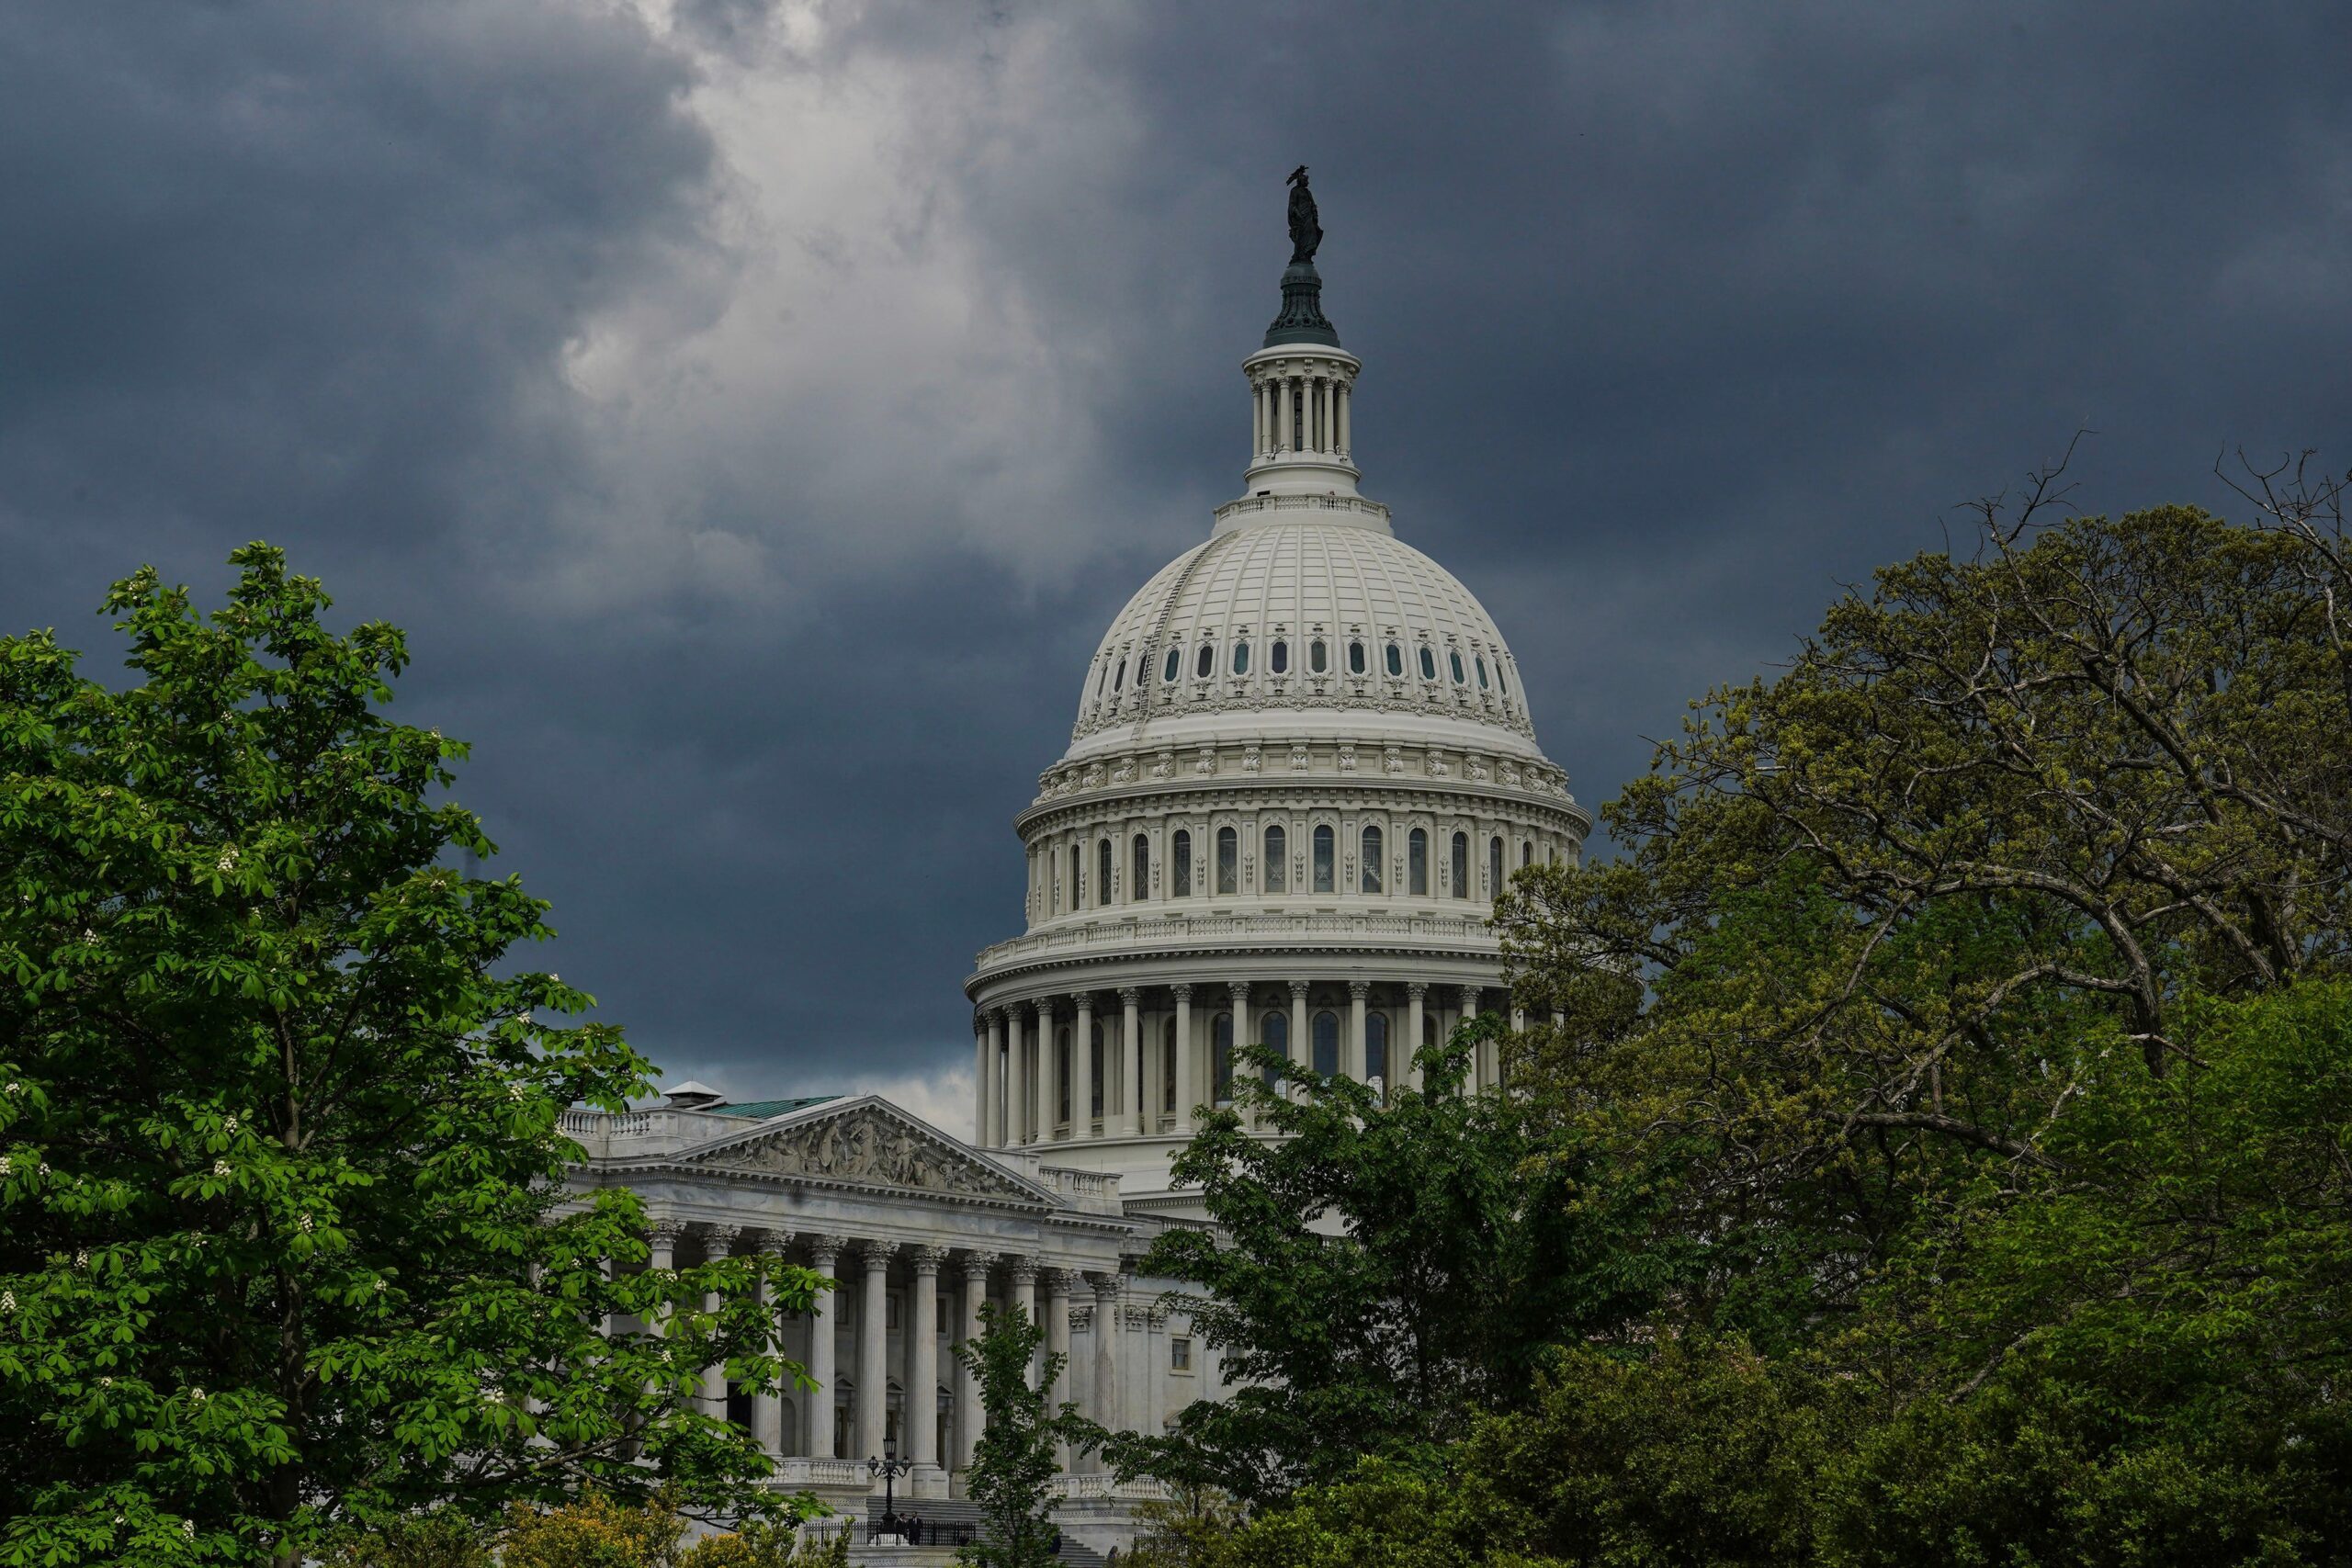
<point>824,1254</point>
<point>719,1242</point>
<point>1302,1049</point>
<point>1132,1119</point>
<point>1106,1354</point>
<point>1347,405</point>
<point>767,1408</point>
<point>1045,1106</point>
<point>923,1357</point>
<point>969,1415</point>
<point>661,1255</point>
<point>983,1060</point>
<point>1025,1299</point>
<point>1240,992</point>
<point>1477,1053</point>
<point>872,1349</point>
<point>1359,993</point>
<point>1155,1370</point>
<point>1058,1287</point>
<point>1187,1091</point>
<point>1082,1070</point>
<point>1415,995</point>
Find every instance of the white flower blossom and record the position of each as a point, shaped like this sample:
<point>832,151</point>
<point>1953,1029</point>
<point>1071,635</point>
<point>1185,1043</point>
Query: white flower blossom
<point>379,1287</point>
<point>516,1092</point>
<point>307,1225</point>
<point>106,1382</point>
<point>82,1259</point>
<point>8,1300</point>
<point>188,1529</point>
<point>228,860</point>
<point>15,1090</point>
<point>526,1017</point>
<point>219,1167</point>
<point>196,1396</point>
<point>230,1126</point>
<point>7,1165</point>
<point>44,1168</point>
<point>89,937</point>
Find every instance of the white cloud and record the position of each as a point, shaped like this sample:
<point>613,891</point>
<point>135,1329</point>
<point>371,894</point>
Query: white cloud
<point>942,1099</point>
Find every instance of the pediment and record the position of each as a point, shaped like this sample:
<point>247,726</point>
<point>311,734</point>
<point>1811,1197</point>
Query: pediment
<point>866,1143</point>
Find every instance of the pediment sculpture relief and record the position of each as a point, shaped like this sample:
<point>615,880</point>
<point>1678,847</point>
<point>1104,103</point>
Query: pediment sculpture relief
<point>868,1147</point>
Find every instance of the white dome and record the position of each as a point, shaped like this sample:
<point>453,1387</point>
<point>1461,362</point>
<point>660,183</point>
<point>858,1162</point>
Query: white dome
<point>1266,594</point>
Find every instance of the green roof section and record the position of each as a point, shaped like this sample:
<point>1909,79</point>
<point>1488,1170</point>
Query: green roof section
<point>761,1109</point>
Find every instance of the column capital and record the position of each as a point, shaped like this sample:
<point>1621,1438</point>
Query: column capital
<point>1106,1287</point>
<point>1470,995</point>
<point>976,1266</point>
<point>1181,990</point>
<point>1298,989</point>
<point>1240,989</point>
<point>1062,1282</point>
<point>1417,989</point>
<point>775,1244</point>
<point>1045,1008</point>
<point>1024,1270</point>
<point>876,1254</point>
<point>1131,996</point>
<point>826,1250</point>
<point>1004,1013</point>
<point>1358,991</point>
<point>1083,1001</point>
<point>926,1259</point>
<point>721,1239</point>
<point>665,1231</point>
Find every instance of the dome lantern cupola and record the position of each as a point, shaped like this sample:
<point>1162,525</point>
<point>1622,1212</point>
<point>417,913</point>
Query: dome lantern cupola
<point>1302,389</point>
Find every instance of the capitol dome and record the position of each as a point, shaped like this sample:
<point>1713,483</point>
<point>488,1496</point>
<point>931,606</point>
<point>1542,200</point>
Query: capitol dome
<point>1302,773</point>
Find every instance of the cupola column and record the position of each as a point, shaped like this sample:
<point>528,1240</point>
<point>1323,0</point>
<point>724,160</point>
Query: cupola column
<point>1043,1129</point>
<point>1131,1116</point>
<point>1347,436</point>
<point>1283,435</point>
<point>1302,1051</point>
<point>1359,993</point>
<point>1082,1070</point>
<point>1415,995</point>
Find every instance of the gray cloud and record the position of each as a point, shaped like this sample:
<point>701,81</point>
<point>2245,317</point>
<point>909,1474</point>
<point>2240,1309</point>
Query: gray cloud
<point>756,412</point>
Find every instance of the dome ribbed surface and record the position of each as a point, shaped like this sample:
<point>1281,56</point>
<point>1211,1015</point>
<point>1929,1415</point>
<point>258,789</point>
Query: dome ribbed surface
<point>1297,583</point>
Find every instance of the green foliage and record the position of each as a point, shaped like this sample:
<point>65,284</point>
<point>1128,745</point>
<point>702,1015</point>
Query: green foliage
<point>441,1538</point>
<point>1015,1457</point>
<point>284,1240</point>
<point>1384,1270</point>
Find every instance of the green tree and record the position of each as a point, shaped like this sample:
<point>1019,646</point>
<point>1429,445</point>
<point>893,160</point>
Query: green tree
<point>1385,1269</point>
<point>1014,1458</point>
<point>284,1238</point>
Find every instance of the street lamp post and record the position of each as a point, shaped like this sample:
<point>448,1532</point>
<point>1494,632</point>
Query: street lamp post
<point>890,1467</point>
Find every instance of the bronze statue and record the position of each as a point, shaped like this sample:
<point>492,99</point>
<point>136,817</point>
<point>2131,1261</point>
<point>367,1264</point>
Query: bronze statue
<point>1306,233</point>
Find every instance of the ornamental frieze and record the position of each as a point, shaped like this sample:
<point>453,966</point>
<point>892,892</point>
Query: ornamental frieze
<point>869,1149</point>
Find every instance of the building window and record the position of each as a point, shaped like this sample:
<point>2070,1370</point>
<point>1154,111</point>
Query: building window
<point>1396,659</point>
<point>1139,870</point>
<point>1376,1047</point>
<point>1429,663</point>
<point>1323,879</point>
<point>1207,664</point>
<point>1428,1032</point>
<point>1077,877</point>
<point>1526,853</point>
<point>1119,677</point>
<point>1143,670</point>
<point>1241,660</point>
<point>1221,1058</point>
<point>1500,685</point>
<point>1228,861</point>
<point>1355,659</point>
<point>1318,658</point>
<point>1481,663</point>
<point>1372,846</point>
<point>1102,680</point>
<point>1167,1067</point>
<point>1179,1353</point>
<point>1102,873</point>
<point>1461,866</point>
<point>1278,658</point>
<point>1181,875</point>
<point>1062,1070</point>
<point>1325,1032</point>
<point>1273,1033</point>
<point>1277,878</point>
<point>1096,1095</point>
<point>1454,658</point>
<point>1416,863</point>
<point>1494,868</point>
<point>1175,663</point>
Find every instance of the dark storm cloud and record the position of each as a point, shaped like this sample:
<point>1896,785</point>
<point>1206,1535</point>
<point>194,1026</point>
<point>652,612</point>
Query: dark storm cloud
<point>1674,316</point>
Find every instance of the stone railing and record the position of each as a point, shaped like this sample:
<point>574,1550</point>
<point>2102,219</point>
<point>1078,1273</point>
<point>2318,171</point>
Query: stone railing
<point>1077,1488</point>
<point>1095,1190</point>
<point>1188,931</point>
<point>1301,503</point>
<point>602,1132</point>
<point>835,1473</point>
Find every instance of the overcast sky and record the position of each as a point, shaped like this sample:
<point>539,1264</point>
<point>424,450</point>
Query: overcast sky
<point>755,411</point>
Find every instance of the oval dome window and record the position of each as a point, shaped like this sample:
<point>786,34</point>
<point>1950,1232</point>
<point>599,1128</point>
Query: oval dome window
<point>1396,659</point>
<point>1454,658</point>
<point>1175,658</point>
<point>1355,659</point>
<point>1241,658</point>
<point>1429,664</point>
<point>1278,658</point>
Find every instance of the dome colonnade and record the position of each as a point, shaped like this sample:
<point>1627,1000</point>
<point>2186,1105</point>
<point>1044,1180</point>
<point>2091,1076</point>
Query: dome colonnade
<point>1303,769</point>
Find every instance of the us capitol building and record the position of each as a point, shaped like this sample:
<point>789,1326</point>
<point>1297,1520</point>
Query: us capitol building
<point>1301,769</point>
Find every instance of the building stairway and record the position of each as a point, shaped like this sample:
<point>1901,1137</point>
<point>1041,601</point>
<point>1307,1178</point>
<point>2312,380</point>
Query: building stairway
<point>946,1518</point>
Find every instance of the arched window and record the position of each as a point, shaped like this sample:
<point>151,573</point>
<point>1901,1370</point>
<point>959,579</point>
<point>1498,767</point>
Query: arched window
<point>1062,1070</point>
<point>1494,868</point>
<point>1077,877</point>
<point>1143,670</point>
<point>1277,878</point>
<point>1429,663</point>
<point>1180,875</point>
<point>1175,663</point>
<point>1461,866</point>
<point>1526,853</point>
<point>1119,677</point>
<point>1355,659</point>
<point>1097,1072</point>
<point>1396,659</point>
<point>1228,861</point>
<point>1102,873</point>
<point>1428,1032</point>
<point>1372,845</point>
<point>1323,878</point>
<point>1102,680</point>
<point>1278,658</point>
<point>1416,863</point>
<point>1168,1068</point>
<point>1139,869</point>
<point>1206,663</point>
<point>1454,658</point>
<point>1221,1058</point>
<point>1318,658</point>
<point>1241,658</point>
<point>1481,663</point>
<point>1274,1033</point>
<point>1376,1047</point>
<point>1324,1032</point>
